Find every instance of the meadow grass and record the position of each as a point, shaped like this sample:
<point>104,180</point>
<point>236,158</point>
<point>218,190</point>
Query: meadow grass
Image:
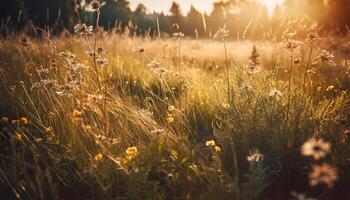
<point>136,118</point>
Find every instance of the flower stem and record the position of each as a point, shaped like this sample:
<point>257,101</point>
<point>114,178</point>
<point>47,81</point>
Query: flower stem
<point>289,86</point>
<point>228,73</point>
<point>307,65</point>
<point>179,57</point>
<point>94,60</point>
<point>95,47</point>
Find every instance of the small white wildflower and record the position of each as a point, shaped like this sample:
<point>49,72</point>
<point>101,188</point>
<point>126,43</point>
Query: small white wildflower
<point>178,35</point>
<point>102,61</point>
<point>255,157</point>
<point>275,93</point>
<point>253,69</point>
<point>290,44</point>
<point>323,174</point>
<point>315,148</point>
<point>83,29</point>
<point>247,87</point>
<point>299,196</point>
<point>222,33</point>
<point>326,57</point>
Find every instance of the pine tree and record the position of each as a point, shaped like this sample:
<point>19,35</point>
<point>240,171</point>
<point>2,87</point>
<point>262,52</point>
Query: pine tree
<point>254,57</point>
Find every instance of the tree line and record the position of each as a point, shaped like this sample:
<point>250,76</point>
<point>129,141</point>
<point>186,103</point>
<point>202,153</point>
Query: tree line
<point>245,18</point>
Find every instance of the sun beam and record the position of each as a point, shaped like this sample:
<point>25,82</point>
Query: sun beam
<point>271,4</point>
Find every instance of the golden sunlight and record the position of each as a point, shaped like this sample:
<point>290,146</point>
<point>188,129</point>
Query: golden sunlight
<point>271,4</point>
<point>175,99</point>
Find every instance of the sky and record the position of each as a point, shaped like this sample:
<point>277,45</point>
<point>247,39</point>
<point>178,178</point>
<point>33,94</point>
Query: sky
<point>164,5</point>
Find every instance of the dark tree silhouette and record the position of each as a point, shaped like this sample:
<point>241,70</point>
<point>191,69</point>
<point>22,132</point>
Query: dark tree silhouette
<point>58,15</point>
<point>176,15</point>
<point>194,23</point>
<point>10,10</point>
<point>175,9</point>
<point>115,11</point>
<point>143,22</point>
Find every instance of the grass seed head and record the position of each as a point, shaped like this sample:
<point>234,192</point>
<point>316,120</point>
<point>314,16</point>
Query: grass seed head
<point>312,36</point>
<point>95,5</point>
<point>175,27</point>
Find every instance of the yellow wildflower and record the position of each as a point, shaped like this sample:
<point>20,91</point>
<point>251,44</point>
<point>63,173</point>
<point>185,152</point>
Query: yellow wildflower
<point>77,115</point>
<point>225,105</point>
<point>210,143</point>
<point>4,119</point>
<point>131,152</point>
<point>49,130</point>
<point>170,119</point>
<point>38,140</point>
<point>171,108</point>
<point>24,121</point>
<point>174,154</point>
<point>18,136</point>
<point>98,157</point>
<point>330,88</point>
<point>217,149</point>
<point>51,114</point>
<point>87,128</point>
<point>16,122</point>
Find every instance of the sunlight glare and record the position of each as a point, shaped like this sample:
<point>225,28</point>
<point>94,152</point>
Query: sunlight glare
<point>271,4</point>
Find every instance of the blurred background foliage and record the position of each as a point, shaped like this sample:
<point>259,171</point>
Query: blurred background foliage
<point>239,15</point>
